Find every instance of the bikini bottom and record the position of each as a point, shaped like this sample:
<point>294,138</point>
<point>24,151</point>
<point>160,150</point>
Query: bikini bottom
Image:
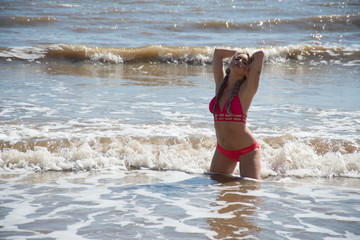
<point>234,155</point>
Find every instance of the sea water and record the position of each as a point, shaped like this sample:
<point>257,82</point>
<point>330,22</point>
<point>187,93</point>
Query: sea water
<point>106,134</point>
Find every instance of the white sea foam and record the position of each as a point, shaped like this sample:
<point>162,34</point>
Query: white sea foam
<point>68,5</point>
<point>172,151</point>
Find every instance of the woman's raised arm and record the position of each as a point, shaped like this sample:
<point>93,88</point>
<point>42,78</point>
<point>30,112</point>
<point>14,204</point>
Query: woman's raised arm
<point>255,67</point>
<point>218,65</point>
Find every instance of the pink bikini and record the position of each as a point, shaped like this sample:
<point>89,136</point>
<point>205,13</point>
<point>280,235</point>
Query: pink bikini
<point>238,116</point>
<point>236,109</point>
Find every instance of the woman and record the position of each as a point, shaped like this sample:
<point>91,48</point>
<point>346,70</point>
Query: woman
<point>235,90</point>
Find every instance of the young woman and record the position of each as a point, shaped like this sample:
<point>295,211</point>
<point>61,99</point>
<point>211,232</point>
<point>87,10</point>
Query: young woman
<point>235,89</point>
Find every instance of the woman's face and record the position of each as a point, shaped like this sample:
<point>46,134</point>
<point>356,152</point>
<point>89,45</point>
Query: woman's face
<point>240,63</point>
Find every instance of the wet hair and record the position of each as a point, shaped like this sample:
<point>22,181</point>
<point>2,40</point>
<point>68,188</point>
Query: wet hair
<point>235,89</point>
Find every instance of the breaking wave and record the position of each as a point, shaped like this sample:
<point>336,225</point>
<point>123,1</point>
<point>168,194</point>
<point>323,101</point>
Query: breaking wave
<point>313,54</point>
<point>281,156</point>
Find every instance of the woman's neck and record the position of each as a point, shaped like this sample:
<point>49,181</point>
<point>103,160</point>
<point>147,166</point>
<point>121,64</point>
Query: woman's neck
<point>233,78</point>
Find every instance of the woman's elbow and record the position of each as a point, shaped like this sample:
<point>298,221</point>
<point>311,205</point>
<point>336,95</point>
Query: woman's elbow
<point>259,54</point>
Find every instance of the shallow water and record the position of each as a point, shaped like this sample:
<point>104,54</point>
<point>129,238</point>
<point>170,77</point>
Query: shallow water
<point>173,205</point>
<point>92,116</point>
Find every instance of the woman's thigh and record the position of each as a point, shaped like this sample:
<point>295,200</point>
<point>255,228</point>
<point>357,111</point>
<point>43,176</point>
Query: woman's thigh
<point>250,164</point>
<point>222,164</point>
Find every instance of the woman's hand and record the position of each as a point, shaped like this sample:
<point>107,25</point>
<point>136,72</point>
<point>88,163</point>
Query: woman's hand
<point>218,65</point>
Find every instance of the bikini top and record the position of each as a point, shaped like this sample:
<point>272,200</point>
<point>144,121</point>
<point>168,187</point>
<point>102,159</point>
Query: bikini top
<point>223,115</point>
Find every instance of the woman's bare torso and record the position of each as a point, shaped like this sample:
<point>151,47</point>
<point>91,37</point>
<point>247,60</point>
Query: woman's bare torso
<point>234,135</point>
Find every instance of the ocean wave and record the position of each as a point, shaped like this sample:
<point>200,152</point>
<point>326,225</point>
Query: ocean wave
<point>25,21</point>
<point>284,156</point>
<point>216,25</point>
<point>156,53</point>
<point>304,53</point>
<point>322,22</point>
